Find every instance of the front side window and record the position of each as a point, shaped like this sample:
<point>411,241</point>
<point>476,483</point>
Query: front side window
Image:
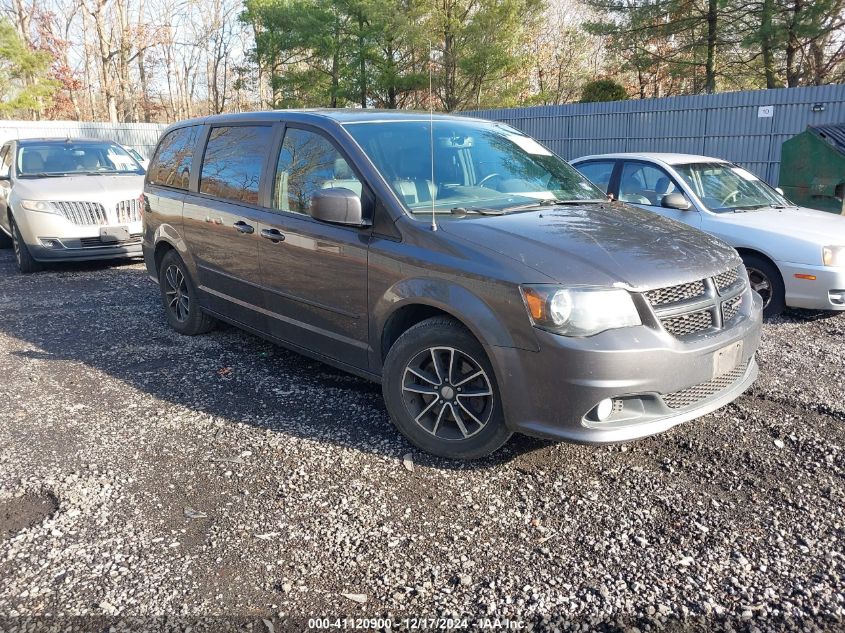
<point>723,187</point>
<point>476,164</point>
<point>231,167</point>
<point>71,158</point>
<point>598,172</point>
<point>644,184</point>
<point>307,163</point>
<point>171,165</point>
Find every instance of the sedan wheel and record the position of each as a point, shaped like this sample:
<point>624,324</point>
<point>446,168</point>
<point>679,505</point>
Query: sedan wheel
<point>765,279</point>
<point>761,284</point>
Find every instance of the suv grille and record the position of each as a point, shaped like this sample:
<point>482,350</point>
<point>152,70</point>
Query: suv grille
<point>82,213</point>
<point>127,211</point>
<point>691,395</point>
<point>697,306</point>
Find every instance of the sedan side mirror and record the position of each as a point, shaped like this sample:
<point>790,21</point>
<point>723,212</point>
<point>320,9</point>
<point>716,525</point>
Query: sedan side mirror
<point>676,201</point>
<point>337,205</point>
<point>779,190</point>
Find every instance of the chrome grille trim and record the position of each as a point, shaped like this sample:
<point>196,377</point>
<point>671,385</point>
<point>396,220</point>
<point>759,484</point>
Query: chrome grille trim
<point>692,395</point>
<point>694,307</point>
<point>80,212</point>
<point>127,211</point>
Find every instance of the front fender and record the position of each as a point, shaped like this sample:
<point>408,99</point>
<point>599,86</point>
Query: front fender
<point>508,327</point>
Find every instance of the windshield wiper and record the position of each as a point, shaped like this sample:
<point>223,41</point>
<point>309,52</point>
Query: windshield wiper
<point>463,211</point>
<point>45,174</point>
<point>552,203</point>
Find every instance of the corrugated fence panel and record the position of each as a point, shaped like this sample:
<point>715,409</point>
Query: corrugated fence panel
<point>726,125</point>
<point>141,136</point>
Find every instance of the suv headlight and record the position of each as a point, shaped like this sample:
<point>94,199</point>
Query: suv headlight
<point>833,255</point>
<point>37,205</point>
<point>579,311</point>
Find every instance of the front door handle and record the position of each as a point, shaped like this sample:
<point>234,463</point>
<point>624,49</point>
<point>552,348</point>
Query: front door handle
<point>273,235</point>
<point>243,227</point>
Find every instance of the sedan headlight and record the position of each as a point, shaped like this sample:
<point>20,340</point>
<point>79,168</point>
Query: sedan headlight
<point>579,311</point>
<point>833,255</point>
<point>37,205</point>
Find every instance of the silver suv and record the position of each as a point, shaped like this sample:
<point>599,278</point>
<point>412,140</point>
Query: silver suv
<point>69,199</point>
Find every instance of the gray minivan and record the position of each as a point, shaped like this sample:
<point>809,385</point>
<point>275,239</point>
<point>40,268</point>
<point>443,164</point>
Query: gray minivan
<point>483,281</point>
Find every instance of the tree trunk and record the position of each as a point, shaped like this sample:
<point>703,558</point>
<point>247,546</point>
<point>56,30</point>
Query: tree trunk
<point>793,46</point>
<point>712,26</point>
<point>766,46</point>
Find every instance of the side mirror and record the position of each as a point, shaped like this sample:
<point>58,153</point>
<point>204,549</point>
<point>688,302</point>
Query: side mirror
<point>779,190</point>
<point>337,205</point>
<point>675,201</point>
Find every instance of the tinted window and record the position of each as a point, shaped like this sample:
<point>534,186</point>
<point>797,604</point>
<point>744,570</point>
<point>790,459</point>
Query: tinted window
<point>597,172</point>
<point>644,184</point>
<point>171,166</point>
<point>231,167</point>
<point>308,162</point>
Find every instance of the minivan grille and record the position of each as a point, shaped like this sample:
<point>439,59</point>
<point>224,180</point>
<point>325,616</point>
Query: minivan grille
<point>691,395</point>
<point>688,309</point>
<point>82,213</point>
<point>127,211</point>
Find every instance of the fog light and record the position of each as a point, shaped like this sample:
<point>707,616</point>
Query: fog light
<point>49,243</point>
<point>837,297</point>
<point>604,409</point>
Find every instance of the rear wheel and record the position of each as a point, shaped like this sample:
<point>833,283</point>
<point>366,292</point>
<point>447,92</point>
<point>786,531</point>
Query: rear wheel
<point>441,392</point>
<point>766,281</point>
<point>179,296</point>
<point>23,258</point>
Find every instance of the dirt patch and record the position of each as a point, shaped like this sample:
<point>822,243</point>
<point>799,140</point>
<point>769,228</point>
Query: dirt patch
<point>23,512</point>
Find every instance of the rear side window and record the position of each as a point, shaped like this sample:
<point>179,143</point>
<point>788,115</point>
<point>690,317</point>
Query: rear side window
<point>5,161</point>
<point>171,165</point>
<point>231,167</point>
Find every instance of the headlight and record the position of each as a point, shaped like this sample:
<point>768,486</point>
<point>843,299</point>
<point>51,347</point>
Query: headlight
<point>833,255</point>
<point>37,205</point>
<point>579,311</point>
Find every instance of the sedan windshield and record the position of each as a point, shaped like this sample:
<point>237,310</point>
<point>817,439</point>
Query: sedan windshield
<point>723,187</point>
<point>476,166</point>
<point>73,158</point>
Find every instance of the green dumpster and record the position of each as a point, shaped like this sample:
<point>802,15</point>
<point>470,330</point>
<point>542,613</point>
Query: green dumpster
<point>812,168</point>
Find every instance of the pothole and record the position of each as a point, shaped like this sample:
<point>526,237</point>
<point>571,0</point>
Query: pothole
<point>20,513</point>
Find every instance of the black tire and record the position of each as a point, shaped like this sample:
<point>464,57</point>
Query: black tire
<point>766,280</point>
<point>23,258</point>
<point>451,424</point>
<point>179,297</point>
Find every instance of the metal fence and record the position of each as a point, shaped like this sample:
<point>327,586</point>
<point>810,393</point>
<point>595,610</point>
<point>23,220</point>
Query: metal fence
<point>141,136</point>
<point>745,127</point>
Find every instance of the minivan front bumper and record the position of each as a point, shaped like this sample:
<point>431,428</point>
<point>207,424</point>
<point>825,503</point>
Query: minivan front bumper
<point>654,380</point>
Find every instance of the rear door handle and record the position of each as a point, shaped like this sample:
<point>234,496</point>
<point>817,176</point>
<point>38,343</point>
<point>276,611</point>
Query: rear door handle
<point>273,235</point>
<point>243,227</point>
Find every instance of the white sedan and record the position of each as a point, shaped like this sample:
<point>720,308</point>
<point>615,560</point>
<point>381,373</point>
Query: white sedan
<point>795,256</point>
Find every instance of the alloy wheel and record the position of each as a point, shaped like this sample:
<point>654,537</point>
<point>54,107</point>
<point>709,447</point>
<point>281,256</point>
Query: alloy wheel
<point>447,393</point>
<point>761,284</point>
<point>178,299</point>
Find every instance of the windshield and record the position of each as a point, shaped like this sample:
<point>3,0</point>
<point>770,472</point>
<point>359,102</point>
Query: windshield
<point>476,165</point>
<point>723,187</point>
<point>40,160</point>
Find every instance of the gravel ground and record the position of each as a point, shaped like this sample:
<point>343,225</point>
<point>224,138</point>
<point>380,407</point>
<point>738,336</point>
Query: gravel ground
<point>143,475</point>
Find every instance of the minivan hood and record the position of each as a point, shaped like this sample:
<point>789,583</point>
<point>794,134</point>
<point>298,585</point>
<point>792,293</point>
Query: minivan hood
<point>604,244</point>
<point>80,188</point>
<point>820,227</point>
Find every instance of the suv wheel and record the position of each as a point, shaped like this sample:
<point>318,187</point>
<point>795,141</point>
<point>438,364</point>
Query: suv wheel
<point>23,258</point>
<point>178,294</point>
<point>766,281</point>
<point>441,392</point>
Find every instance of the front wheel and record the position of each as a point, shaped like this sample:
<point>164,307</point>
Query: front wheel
<point>441,392</point>
<point>766,281</point>
<point>179,296</point>
<point>23,258</point>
